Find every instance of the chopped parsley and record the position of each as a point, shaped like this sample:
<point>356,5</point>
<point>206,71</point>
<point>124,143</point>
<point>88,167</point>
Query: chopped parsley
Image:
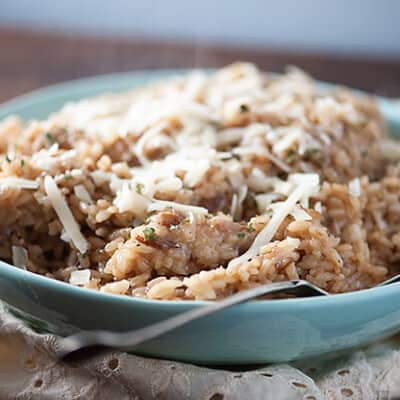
<point>22,162</point>
<point>250,227</point>
<point>139,188</point>
<point>149,234</point>
<point>241,235</point>
<point>8,159</point>
<point>68,177</point>
<point>291,155</point>
<point>50,138</point>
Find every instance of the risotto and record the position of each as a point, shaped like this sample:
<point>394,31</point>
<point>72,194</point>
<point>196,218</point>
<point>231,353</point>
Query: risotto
<point>204,185</point>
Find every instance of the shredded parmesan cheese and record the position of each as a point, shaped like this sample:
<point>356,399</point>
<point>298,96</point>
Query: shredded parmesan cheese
<point>234,205</point>
<point>19,183</point>
<point>130,200</point>
<point>47,160</point>
<point>300,215</point>
<point>82,194</point>
<point>118,287</point>
<point>159,205</point>
<point>150,134</point>
<point>265,200</point>
<point>355,187</point>
<point>279,163</point>
<point>64,236</point>
<point>80,277</point>
<point>169,185</point>
<point>19,256</point>
<point>64,214</point>
<point>266,235</point>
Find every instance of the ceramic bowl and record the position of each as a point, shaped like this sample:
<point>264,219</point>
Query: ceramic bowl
<point>255,332</point>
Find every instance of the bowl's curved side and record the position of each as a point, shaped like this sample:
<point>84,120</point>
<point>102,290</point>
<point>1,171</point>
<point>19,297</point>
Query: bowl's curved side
<point>42,102</point>
<point>255,332</point>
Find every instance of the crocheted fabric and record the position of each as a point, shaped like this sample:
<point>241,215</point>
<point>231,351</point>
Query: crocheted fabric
<point>29,369</point>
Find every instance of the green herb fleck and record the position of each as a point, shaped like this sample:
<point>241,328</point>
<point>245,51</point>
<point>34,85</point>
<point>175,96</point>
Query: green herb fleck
<point>241,235</point>
<point>68,177</point>
<point>8,159</point>
<point>244,108</point>
<point>22,162</point>
<point>139,188</point>
<point>149,234</point>
<point>250,227</point>
<point>291,155</point>
<point>50,138</point>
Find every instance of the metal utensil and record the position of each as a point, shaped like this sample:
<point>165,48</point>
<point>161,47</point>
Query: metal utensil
<point>127,340</point>
<point>394,279</point>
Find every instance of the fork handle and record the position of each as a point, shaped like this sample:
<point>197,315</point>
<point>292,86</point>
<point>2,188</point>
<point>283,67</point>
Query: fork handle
<point>127,340</point>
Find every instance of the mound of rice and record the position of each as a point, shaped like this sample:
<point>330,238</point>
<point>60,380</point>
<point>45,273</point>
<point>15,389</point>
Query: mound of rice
<point>202,186</point>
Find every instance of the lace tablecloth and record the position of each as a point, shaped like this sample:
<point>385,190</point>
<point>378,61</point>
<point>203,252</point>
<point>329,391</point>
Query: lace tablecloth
<point>29,369</point>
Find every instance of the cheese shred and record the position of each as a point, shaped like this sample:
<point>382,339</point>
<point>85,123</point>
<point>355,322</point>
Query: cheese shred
<point>18,183</point>
<point>266,235</point>
<point>64,214</point>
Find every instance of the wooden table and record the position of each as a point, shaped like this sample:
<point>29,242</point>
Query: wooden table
<point>30,60</point>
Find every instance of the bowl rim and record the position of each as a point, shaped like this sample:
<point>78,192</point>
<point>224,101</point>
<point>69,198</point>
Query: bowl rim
<point>86,84</point>
<point>75,85</point>
<point>11,272</point>
<point>71,86</point>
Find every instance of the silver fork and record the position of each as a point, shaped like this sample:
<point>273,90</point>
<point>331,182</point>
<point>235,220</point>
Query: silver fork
<point>127,340</point>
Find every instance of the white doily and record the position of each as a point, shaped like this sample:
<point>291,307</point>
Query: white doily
<point>30,370</point>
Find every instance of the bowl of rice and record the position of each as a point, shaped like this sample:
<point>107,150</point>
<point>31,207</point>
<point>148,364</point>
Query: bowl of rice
<point>128,198</point>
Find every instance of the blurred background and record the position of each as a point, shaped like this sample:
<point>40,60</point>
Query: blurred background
<point>354,42</point>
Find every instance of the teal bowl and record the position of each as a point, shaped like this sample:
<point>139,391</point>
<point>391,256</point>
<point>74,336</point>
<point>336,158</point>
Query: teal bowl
<point>250,333</point>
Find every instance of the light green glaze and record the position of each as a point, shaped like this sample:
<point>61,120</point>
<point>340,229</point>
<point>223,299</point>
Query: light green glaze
<point>256,332</point>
